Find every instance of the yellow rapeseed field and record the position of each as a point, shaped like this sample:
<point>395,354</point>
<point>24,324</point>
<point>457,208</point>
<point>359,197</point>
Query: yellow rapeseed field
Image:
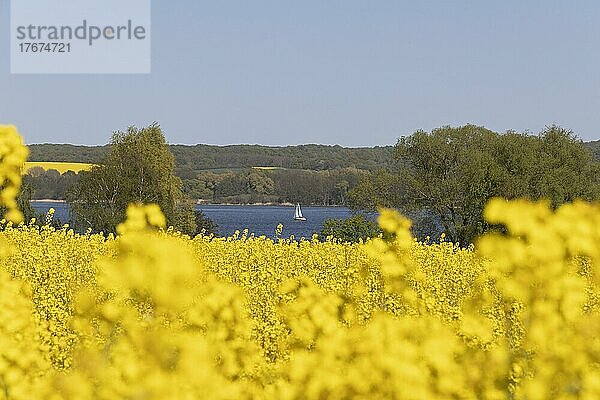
<point>153,314</point>
<point>61,167</point>
<point>267,168</point>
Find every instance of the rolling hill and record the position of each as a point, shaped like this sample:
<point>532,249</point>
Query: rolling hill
<point>205,157</point>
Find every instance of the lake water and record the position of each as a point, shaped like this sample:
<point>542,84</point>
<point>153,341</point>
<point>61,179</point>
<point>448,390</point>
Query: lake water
<point>262,220</point>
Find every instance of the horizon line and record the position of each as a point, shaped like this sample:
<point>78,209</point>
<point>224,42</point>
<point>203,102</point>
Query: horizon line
<point>223,145</point>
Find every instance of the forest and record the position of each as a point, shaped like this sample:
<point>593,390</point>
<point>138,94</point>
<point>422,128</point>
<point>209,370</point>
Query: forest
<point>205,157</point>
<point>241,174</point>
<point>310,174</point>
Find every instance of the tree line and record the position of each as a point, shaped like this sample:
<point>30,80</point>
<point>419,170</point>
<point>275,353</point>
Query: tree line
<point>328,187</point>
<point>198,158</point>
<point>247,186</point>
<point>49,184</point>
<point>449,174</point>
<point>206,157</point>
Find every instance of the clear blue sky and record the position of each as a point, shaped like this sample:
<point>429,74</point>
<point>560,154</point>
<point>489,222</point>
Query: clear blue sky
<point>355,73</point>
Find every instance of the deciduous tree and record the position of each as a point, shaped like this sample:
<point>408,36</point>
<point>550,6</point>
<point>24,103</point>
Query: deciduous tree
<point>139,168</point>
<point>449,174</point>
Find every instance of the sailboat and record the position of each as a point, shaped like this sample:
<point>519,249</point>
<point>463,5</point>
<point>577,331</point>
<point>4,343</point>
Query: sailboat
<point>298,216</point>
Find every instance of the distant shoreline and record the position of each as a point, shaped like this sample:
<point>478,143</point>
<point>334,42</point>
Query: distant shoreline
<point>47,201</point>
<point>201,203</point>
<point>247,204</point>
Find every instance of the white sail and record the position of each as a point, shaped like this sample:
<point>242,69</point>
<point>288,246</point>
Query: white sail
<point>298,214</point>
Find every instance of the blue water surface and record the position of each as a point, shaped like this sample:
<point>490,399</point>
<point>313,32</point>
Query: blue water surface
<point>260,219</point>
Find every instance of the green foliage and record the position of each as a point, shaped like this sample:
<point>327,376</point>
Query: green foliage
<point>49,184</point>
<point>353,229</point>
<point>274,186</point>
<point>24,202</point>
<point>193,159</point>
<point>49,152</point>
<point>204,225</point>
<point>316,187</point>
<point>378,189</point>
<point>594,147</point>
<point>138,168</point>
<point>204,157</point>
<point>310,174</point>
<point>451,173</point>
